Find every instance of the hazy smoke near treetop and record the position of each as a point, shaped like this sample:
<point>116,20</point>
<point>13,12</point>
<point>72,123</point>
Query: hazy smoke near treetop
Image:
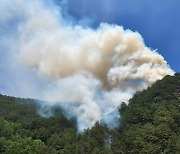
<point>88,72</point>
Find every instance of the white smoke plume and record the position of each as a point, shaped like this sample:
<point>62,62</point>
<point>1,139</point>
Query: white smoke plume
<point>88,72</point>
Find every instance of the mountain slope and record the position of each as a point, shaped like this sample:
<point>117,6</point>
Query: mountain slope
<point>148,124</point>
<point>151,121</point>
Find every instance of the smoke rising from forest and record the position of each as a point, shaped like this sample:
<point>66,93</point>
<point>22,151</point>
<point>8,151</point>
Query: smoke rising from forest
<point>88,72</point>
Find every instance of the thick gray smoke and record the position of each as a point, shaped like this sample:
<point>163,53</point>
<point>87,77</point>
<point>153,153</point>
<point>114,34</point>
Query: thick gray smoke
<point>87,72</point>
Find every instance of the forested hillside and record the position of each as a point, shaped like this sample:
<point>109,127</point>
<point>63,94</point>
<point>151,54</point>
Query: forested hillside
<point>149,124</point>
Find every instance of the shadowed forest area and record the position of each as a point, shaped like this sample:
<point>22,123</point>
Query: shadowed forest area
<point>149,124</point>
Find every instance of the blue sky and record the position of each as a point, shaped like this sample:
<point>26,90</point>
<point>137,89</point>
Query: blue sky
<point>158,21</point>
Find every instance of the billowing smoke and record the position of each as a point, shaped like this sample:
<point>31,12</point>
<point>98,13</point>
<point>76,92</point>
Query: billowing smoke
<point>88,72</point>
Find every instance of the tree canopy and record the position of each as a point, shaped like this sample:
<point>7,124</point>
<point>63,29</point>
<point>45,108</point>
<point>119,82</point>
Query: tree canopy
<point>150,123</point>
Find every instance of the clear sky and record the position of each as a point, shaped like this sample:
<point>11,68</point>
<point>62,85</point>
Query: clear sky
<point>158,21</point>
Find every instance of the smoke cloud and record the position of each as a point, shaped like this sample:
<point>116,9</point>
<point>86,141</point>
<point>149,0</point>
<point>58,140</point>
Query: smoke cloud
<point>88,72</point>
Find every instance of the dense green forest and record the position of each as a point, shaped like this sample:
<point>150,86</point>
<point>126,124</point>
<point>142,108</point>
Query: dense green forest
<point>149,124</point>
